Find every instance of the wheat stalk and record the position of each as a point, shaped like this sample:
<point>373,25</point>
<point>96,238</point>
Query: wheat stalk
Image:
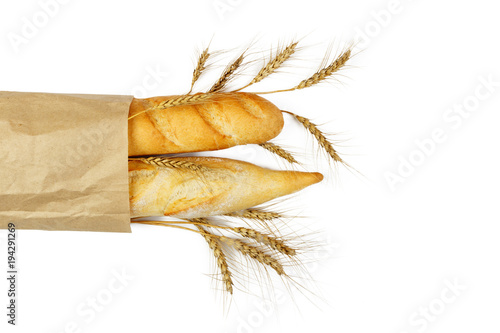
<point>227,75</point>
<point>275,149</point>
<point>216,248</point>
<point>168,162</point>
<point>200,67</point>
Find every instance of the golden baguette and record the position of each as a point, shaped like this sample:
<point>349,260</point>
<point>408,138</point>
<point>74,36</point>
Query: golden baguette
<point>221,186</point>
<point>222,121</point>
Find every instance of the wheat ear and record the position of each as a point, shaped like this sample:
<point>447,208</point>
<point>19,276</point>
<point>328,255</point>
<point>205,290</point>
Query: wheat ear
<point>320,137</point>
<point>272,242</point>
<point>245,248</point>
<point>275,149</point>
<point>216,248</point>
<point>227,75</point>
<point>323,74</point>
<point>183,100</point>
<point>256,214</point>
<point>177,101</point>
<point>273,64</point>
<point>254,253</point>
<point>326,72</point>
<point>169,162</point>
<point>200,67</point>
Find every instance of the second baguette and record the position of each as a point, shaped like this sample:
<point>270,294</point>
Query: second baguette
<point>223,186</point>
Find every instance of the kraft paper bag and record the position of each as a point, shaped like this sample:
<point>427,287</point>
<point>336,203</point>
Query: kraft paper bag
<point>64,162</point>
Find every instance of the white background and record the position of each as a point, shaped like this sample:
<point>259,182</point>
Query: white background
<point>393,251</point>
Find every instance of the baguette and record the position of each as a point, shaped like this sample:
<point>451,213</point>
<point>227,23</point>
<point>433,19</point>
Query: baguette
<point>223,121</point>
<point>195,187</point>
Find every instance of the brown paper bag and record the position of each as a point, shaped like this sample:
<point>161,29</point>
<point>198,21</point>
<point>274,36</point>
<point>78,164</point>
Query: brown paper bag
<point>63,162</point>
